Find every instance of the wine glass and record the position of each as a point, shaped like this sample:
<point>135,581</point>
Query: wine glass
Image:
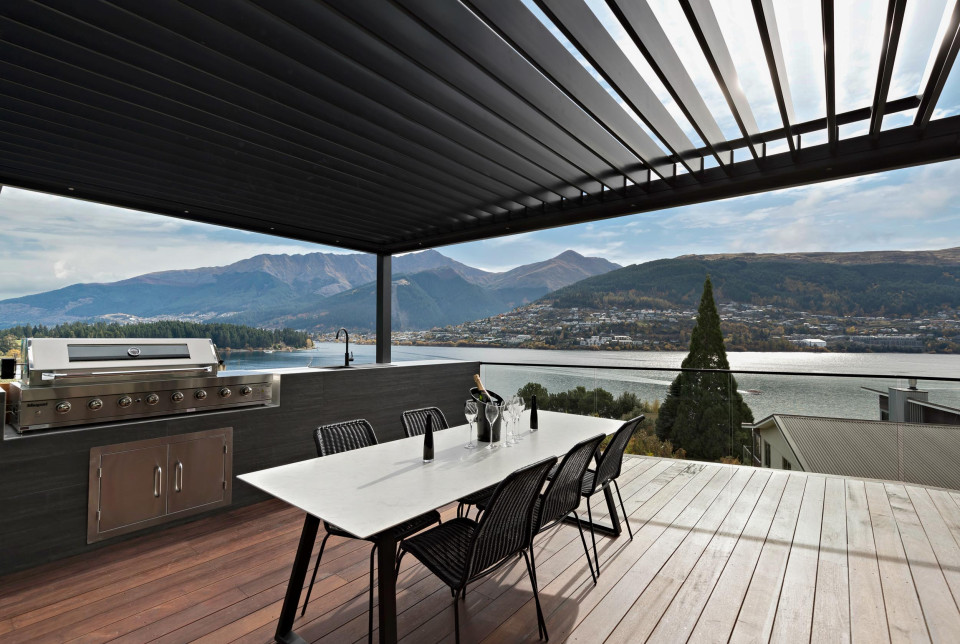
<point>470,411</point>
<point>512,413</point>
<point>518,411</point>
<point>491,411</point>
<point>507,417</point>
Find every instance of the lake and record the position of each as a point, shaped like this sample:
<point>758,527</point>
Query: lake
<point>808,395</point>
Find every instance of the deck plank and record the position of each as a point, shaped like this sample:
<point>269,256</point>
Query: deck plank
<point>652,546</point>
<point>720,553</point>
<point>904,614</point>
<point>759,608</point>
<point>939,608</point>
<point>868,617</point>
<point>680,619</point>
<point>729,511</point>
<point>831,606</point>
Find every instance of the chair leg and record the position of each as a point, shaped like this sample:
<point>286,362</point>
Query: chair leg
<point>399,557</point>
<point>626,519</point>
<point>541,622</point>
<point>593,536</point>
<point>456,617</point>
<point>373,556</point>
<point>314,577</point>
<point>586,550</point>
<point>533,562</point>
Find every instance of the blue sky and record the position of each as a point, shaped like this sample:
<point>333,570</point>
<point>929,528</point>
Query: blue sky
<point>910,209</point>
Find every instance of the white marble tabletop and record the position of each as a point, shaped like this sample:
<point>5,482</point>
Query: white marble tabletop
<point>368,490</point>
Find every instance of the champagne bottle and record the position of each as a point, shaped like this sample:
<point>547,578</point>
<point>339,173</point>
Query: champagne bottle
<point>480,388</point>
<point>534,422</point>
<point>428,440</point>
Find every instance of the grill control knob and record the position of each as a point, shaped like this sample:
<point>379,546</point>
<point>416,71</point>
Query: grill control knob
<point>225,392</point>
<point>63,407</point>
<point>200,395</point>
<point>246,390</point>
<point>152,399</point>
<point>125,401</point>
<point>177,396</point>
<point>95,404</point>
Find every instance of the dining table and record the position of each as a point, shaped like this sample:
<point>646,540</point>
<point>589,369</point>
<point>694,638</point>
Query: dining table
<point>368,492</point>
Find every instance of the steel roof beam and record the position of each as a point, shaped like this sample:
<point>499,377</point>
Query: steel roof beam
<point>644,29</point>
<point>142,75</point>
<point>706,28</point>
<point>331,29</point>
<point>942,65</point>
<point>411,37</point>
<point>530,37</point>
<point>306,71</point>
<point>888,55</point>
<point>123,131</point>
<point>773,51</point>
<point>829,72</point>
<point>43,158</point>
<point>895,148</point>
<point>582,28</point>
<point>464,31</point>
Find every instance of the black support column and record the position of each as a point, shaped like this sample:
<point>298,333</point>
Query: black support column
<point>384,293</point>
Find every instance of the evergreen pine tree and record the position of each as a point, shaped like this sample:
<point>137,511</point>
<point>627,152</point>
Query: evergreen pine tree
<point>703,412</point>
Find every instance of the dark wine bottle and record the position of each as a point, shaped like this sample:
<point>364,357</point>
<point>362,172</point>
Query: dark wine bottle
<point>534,422</point>
<point>428,440</point>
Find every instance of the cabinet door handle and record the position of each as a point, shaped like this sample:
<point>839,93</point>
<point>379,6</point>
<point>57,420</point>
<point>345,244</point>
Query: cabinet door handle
<point>158,481</point>
<point>178,477</point>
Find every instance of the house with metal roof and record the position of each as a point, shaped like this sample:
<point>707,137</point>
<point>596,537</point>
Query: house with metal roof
<point>919,453</point>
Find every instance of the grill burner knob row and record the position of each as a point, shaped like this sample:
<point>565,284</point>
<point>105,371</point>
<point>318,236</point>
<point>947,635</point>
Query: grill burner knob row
<point>225,392</point>
<point>95,405</point>
<point>125,401</point>
<point>63,407</point>
<point>177,396</point>
<point>152,399</point>
<point>246,390</point>
<point>200,395</point>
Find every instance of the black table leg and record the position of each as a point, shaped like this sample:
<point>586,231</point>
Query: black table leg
<point>612,530</point>
<point>387,585</point>
<point>301,563</point>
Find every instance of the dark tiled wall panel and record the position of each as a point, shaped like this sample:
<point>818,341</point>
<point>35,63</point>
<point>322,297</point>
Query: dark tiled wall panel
<point>43,477</point>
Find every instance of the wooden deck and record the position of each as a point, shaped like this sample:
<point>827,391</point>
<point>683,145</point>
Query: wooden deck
<point>721,553</point>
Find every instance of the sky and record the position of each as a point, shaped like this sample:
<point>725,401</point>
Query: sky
<point>50,242</point>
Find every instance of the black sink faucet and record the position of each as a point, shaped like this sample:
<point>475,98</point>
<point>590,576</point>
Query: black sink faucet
<point>347,355</point>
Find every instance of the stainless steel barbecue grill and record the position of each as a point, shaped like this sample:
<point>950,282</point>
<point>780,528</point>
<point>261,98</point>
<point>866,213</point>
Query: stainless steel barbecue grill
<point>78,381</point>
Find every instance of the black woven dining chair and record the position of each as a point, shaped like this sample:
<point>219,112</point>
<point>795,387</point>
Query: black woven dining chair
<point>415,420</point>
<point>562,496</point>
<point>343,437</point>
<point>415,424</point>
<point>462,550</point>
<point>608,469</point>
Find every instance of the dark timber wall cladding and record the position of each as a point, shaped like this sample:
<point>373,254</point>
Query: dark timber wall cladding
<point>43,476</point>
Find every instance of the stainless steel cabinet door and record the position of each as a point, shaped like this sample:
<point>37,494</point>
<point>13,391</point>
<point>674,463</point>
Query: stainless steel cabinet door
<point>132,486</point>
<point>196,473</point>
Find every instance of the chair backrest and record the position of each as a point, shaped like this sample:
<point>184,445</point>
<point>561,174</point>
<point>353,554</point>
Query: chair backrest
<point>415,420</point>
<point>505,524</point>
<point>609,464</point>
<point>343,437</point>
<point>563,492</point>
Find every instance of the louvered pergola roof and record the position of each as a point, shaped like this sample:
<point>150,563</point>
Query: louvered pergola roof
<point>386,126</point>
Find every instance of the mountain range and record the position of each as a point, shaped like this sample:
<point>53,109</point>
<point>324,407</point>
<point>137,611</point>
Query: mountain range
<point>875,283</point>
<point>301,291</point>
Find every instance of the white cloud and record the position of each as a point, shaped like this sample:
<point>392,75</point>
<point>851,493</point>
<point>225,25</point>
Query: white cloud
<point>51,242</point>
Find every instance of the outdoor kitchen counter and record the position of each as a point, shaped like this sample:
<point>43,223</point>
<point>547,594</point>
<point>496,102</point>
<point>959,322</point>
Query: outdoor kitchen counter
<point>44,474</point>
